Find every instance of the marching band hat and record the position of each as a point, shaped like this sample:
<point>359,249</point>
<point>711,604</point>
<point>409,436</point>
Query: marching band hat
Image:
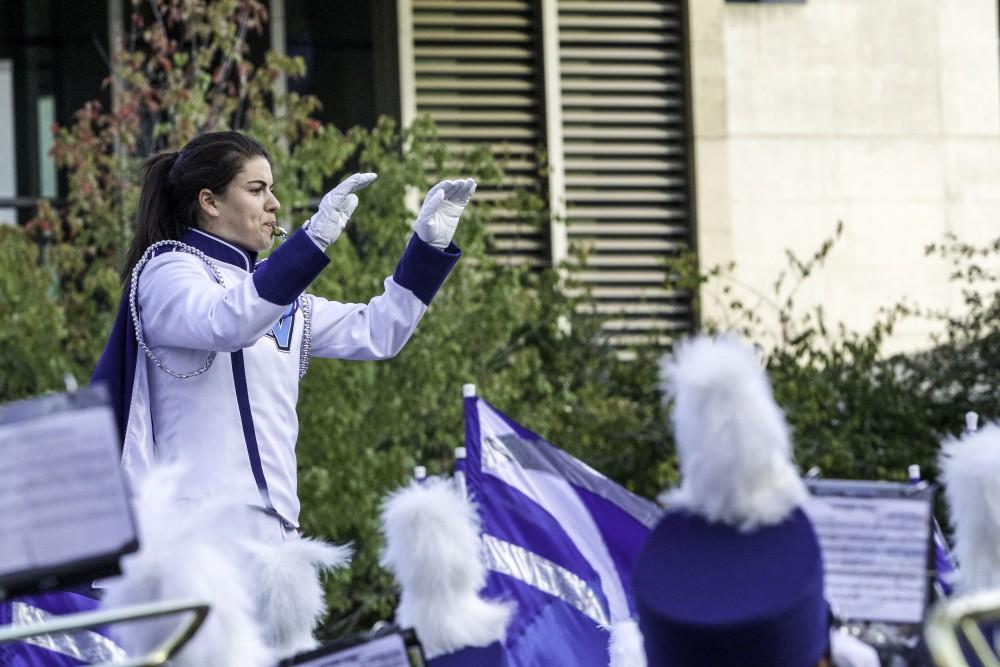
<point>732,574</point>
<point>709,594</point>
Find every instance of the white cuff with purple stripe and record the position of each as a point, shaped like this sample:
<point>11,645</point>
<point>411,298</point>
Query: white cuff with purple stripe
<point>290,269</point>
<point>423,268</point>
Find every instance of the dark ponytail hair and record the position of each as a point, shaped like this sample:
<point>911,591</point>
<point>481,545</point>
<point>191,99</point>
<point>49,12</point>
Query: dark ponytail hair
<point>168,202</point>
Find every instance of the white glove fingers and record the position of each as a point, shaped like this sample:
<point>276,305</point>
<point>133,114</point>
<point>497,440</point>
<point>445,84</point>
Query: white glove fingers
<point>440,187</point>
<point>435,200</point>
<point>354,183</point>
<point>332,201</point>
<point>441,211</point>
<point>350,203</point>
<point>335,209</point>
<point>433,203</point>
<point>468,187</point>
<point>453,190</point>
<point>460,190</point>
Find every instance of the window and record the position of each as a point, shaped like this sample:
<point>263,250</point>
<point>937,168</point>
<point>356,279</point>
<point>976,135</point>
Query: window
<point>349,51</point>
<point>51,62</point>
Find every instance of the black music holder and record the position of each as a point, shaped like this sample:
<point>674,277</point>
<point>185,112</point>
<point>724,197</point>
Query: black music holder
<point>47,574</point>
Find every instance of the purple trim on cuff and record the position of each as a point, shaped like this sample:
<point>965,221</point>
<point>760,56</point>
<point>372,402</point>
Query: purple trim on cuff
<point>423,268</point>
<point>288,271</point>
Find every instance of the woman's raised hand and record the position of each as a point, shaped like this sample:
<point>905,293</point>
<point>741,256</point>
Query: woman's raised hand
<point>336,209</point>
<point>441,210</point>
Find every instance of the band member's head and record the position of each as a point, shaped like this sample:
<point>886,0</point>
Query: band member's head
<point>193,187</point>
<point>970,470</point>
<point>732,574</point>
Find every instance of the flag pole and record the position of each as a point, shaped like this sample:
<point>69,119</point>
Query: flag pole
<point>944,562</point>
<point>468,391</point>
<point>460,471</point>
<point>971,422</point>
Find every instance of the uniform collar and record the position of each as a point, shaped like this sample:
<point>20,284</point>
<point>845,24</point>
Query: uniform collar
<point>220,249</point>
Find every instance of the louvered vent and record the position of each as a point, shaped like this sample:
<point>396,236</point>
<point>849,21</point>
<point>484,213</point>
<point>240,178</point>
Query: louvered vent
<point>625,158</point>
<point>617,133</point>
<point>476,70</point>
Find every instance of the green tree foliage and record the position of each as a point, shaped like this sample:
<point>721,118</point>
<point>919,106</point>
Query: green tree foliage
<point>508,328</point>
<point>856,411</point>
<point>31,357</point>
<point>963,370</point>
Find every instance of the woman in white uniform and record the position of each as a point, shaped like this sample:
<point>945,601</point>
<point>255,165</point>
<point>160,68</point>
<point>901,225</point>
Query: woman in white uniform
<point>204,361</point>
<point>203,366</point>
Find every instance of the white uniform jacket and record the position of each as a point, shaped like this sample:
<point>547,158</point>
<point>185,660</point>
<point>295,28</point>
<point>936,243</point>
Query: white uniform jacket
<point>234,426</point>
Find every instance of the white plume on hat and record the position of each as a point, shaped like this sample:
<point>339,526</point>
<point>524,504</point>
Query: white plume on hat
<point>733,443</point>
<point>289,593</point>
<point>187,553</point>
<point>970,468</point>
<point>433,551</point>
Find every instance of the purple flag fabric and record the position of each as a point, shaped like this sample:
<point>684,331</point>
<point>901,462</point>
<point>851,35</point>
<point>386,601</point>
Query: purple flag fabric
<point>83,647</point>
<point>559,539</point>
<point>944,567</point>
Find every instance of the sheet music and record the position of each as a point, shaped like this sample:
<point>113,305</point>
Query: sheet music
<point>62,494</point>
<point>875,554</point>
<point>388,651</point>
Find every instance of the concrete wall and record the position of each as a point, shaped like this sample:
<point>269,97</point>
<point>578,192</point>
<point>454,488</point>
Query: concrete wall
<point>882,114</point>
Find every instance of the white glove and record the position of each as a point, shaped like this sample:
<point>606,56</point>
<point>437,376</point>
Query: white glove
<point>336,209</point>
<point>442,208</point>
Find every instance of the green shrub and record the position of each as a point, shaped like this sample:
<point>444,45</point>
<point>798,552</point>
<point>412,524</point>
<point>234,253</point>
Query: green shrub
<point>855,411</point>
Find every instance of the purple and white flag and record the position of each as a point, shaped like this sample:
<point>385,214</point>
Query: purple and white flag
<point>71,649</point>
<point>559,538</point>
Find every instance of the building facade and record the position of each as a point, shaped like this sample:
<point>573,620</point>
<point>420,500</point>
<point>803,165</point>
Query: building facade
<point>884,116</point>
